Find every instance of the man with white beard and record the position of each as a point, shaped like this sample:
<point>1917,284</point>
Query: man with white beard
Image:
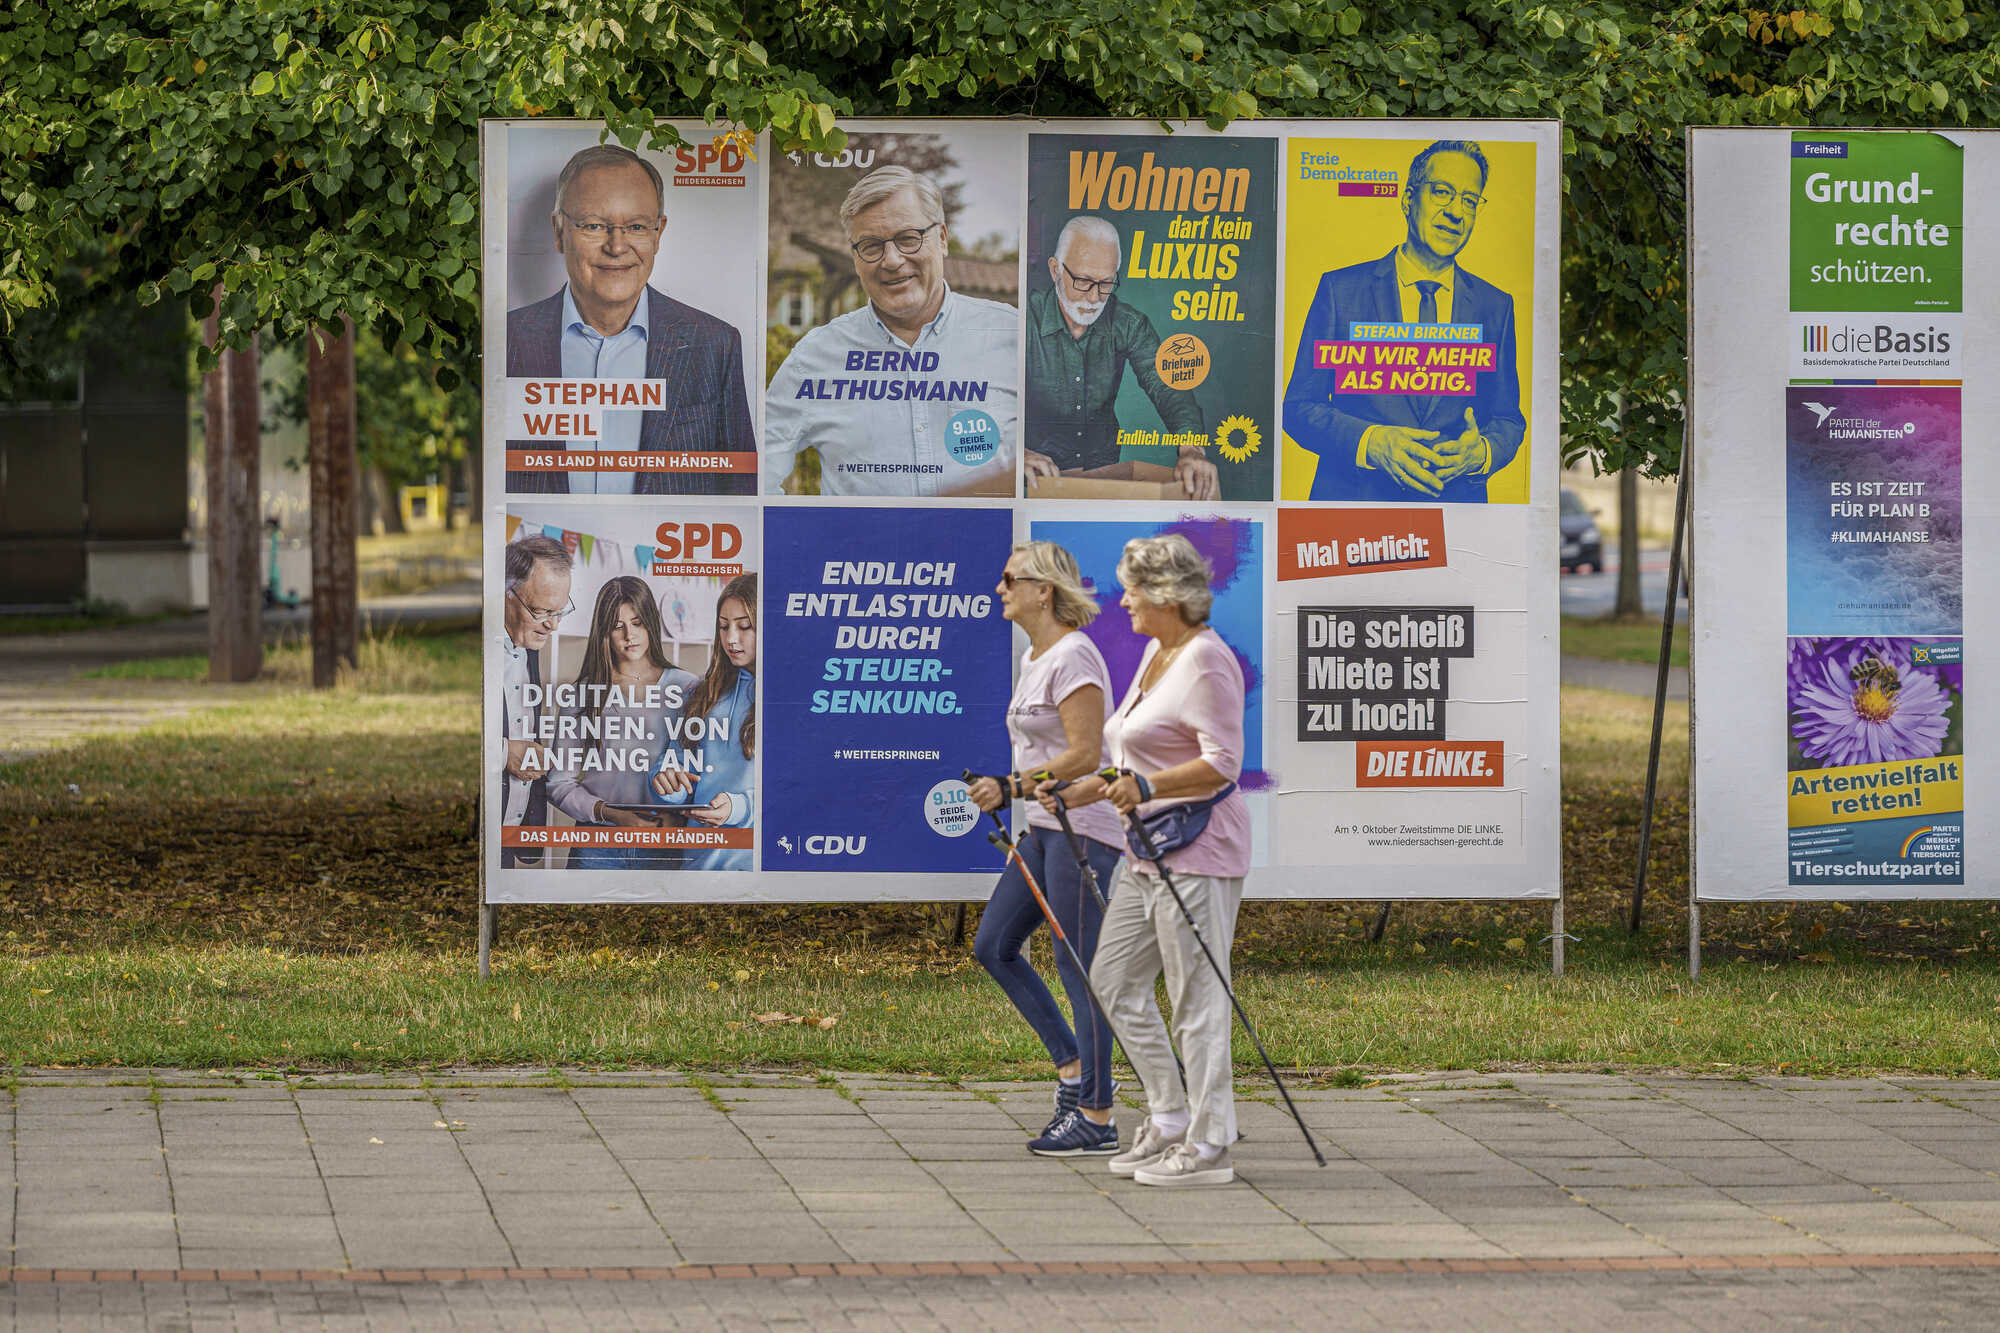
<point>1081,341</point>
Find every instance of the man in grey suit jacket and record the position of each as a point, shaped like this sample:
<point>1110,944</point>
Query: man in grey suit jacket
<point>608,322</point>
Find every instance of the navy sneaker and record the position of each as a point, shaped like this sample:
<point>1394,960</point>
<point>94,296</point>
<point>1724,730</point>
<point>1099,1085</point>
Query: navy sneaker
<point>1066,1099</point>
<point>1076,1136</point>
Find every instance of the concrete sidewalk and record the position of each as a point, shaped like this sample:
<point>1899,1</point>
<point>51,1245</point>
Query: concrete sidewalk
<point>346,1175</point>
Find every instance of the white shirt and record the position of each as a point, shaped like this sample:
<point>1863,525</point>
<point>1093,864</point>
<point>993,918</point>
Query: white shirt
<point>1035,725</point>
<point>588,354</point>
<point>517,721</point>
<point>1407,278</point>
<point>893,418</point>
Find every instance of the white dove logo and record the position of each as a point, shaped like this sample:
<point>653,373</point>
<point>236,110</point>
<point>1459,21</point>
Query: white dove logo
<point>1820,413</point>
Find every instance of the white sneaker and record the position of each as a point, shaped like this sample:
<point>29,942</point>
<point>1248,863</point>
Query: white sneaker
<point>1183,1166</point>
<point>1149,1145</point>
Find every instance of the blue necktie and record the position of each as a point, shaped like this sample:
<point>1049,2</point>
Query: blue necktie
<point>1427,302</point>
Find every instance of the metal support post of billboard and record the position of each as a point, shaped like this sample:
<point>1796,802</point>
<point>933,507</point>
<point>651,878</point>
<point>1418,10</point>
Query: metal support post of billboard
<point>1381,924</point>
<point>1694,933</point>
<point>489,926</point>
<point>1556,937</point>
<point>1660,696</point>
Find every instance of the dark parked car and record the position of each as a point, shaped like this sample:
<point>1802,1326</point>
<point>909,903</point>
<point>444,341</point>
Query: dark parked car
<point>1582,543</point>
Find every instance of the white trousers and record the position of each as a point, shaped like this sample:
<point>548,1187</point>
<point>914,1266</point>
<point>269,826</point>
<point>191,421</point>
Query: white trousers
<point>1145,935</point>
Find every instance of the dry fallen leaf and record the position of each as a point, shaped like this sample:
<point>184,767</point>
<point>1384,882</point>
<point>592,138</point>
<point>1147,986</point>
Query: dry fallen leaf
<point>374,1140</point>
<point>517,1011</point>
<point>742,974</point>
<point>828,1021</point>
<point>776,1016</point>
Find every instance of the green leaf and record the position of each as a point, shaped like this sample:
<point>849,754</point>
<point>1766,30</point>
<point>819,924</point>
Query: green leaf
<point>262,84</point>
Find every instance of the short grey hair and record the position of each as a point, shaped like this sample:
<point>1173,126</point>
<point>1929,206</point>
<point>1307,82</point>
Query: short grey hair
<point>1069,601</point>
<point>1168,571</point>
<point>608,155</point>
<point>884,182</point>
<point>523,555</point>
<point>1090,227</point>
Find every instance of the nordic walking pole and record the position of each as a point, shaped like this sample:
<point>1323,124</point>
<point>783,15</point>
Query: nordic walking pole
<point>1001,839</point>
<point>1145,843</point>
<point>1075,843</point>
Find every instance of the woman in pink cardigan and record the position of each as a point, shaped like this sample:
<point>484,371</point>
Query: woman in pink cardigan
<point>1178,739</point>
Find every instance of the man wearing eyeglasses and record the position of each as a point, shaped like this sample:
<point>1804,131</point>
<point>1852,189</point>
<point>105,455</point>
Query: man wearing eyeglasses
<point>914,393</point>
<point>608,322</point>
<point>1412,446</point>
<point>536,600</point>
<point>1081,341</point>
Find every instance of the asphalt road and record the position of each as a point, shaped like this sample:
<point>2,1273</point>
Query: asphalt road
<point>1595,593</point>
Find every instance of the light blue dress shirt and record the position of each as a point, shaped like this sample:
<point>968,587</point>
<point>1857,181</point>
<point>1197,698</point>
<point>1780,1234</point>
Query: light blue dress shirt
<point>929,418</point>
<point>588,354</point>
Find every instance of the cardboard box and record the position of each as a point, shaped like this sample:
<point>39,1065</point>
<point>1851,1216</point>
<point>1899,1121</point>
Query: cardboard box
<point>1115,481</point>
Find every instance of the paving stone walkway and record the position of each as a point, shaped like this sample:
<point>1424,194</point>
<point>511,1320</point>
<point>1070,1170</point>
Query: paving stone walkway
<point>653,1171</point>
<point>661,1200</point>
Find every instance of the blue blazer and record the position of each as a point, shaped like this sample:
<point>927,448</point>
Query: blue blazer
<point>1330,425</point>
<point>701,359</point>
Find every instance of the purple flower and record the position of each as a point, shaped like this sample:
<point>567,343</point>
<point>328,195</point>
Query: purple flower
<point>1845,714</point>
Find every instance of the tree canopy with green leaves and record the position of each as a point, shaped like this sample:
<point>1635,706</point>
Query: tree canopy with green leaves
<point>317,157</point>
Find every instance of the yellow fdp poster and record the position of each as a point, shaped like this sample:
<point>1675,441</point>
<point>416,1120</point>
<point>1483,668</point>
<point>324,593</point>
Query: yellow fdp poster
<point>1409,320</point>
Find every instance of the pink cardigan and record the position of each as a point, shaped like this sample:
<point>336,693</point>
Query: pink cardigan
<point>1194,711</point>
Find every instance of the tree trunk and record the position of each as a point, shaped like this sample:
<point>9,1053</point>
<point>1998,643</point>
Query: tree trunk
<point>1630,603</point>
<point>475,482</point>
<point>378,501</point>
<point>330,463</point>
<point>230,409</point>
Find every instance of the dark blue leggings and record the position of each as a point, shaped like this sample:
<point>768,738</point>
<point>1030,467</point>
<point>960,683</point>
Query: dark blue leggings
<point>1011,916</point>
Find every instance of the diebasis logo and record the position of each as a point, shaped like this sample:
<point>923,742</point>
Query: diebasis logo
<point>1891,345</point>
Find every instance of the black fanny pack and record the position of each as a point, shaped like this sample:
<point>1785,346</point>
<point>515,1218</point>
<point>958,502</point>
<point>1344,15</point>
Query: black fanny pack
<point>1173,828</point>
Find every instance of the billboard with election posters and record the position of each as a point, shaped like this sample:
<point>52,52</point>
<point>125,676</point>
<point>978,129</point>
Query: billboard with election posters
<point>741,646</point>
<point>1829,404</point>
<point>632,339</point>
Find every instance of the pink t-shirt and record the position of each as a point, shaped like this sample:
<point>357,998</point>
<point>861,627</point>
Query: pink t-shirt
<point>1034,724</point>
<point>1193,711</point>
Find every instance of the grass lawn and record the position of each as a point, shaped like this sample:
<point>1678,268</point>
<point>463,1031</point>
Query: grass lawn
<point>287,881</point>
<point>1633,639</point>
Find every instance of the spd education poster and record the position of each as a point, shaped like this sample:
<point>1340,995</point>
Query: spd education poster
<point>622,697</point>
